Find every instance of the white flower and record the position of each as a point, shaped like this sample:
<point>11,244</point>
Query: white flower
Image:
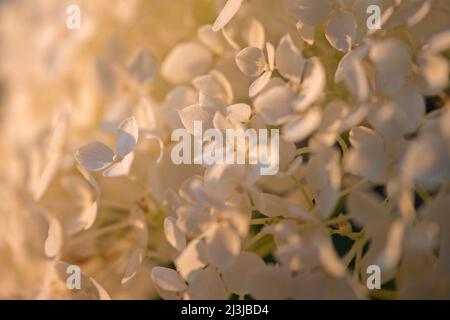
<point>97,156</point>
<point>252,62</point>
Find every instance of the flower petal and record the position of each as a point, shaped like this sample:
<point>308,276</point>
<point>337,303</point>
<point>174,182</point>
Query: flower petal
<point>133,266</point>
<point>127,136</point>
<point>302,126</point>
<point>251,61</point>
<point>173,234</point>
<point>94,156</point>
<point>226,14</point>
<point>168,279</point>
<point>341,30</point>
<point>259,83</point>
<point>185,62</point>
<point>289,60</point>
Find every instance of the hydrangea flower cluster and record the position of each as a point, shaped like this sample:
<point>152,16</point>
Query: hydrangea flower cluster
<point>87,178</point>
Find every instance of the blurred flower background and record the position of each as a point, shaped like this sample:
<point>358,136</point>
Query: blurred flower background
<point>86,178</point>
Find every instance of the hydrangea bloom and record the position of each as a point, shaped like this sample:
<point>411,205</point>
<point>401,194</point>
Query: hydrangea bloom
<point>364,154</point>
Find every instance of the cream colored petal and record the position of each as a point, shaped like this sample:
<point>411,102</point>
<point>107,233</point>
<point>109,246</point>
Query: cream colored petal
<point>392,61</point>
<point>341,30</point>
<point>313,84</point>
<point>239,112</point>
<point>173,234</point>
<point>94,156</point>
<point>133,266</point>
<point>213,40</point>
<point>235,276</point>
<point>274,105</point>
<point>259,84</point>
<point>269,283</point>
<point>367,158</point>
<point>302,126</point>
<point>215,84</point>
<point>194,257</point>
<point>168,279</point>
<point>207,285</point>
<point>323,175</point>
<point>251,61</point>
<point>127,136</point>
<point>289,60</point>
<point>55,237</point>
<point>223,245</point>
<point>253,34</point>
<point>121,168</point>
<point>193,113</point>
<point>185,62</point>
<point>226,14</point>
<point>312,12</point>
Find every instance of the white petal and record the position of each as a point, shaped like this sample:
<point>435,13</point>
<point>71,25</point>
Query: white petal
<point>235,276</point>
<point>127,136</point>
<point>171,202</point>
<point>133,266</point>
<point>173,234</point>
<point>348,60</point>
<point>177,99</point>
<point>392,61</point>
<point>223,245</point>
<point>193,220</point>
<point>328,256</point>
<point>341,30</point>
<point>289,60</point>
<point>213,40</point>
<point>367,209</point>
<point>55,235</point>
<point>193,113</point>
<point>191,259</point>
<point>274,105</point>
<point>253,33</point>
<point>301,127</point>
<point>207,285</point>
<point>269,283</point>
<point>323,175</point>
<point>185,62</point>
<point>271,205</point>
<point>121,168</point>
<point>142,65</point>
<point>239,112</point>
<point>251,61</point>
<point>94,156</point>
<point>259,83</point>
<point>214,84</point>
<point>313,84</point>
<point>312,12</point>
<point>270,55</point>
<point>227,13</point>
<point>306,32</point>
<point>168,279</point>
<point>367,158</point>
<point>409,107</point>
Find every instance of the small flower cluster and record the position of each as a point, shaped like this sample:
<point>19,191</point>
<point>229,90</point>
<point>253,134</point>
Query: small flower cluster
<point>364,149</point>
